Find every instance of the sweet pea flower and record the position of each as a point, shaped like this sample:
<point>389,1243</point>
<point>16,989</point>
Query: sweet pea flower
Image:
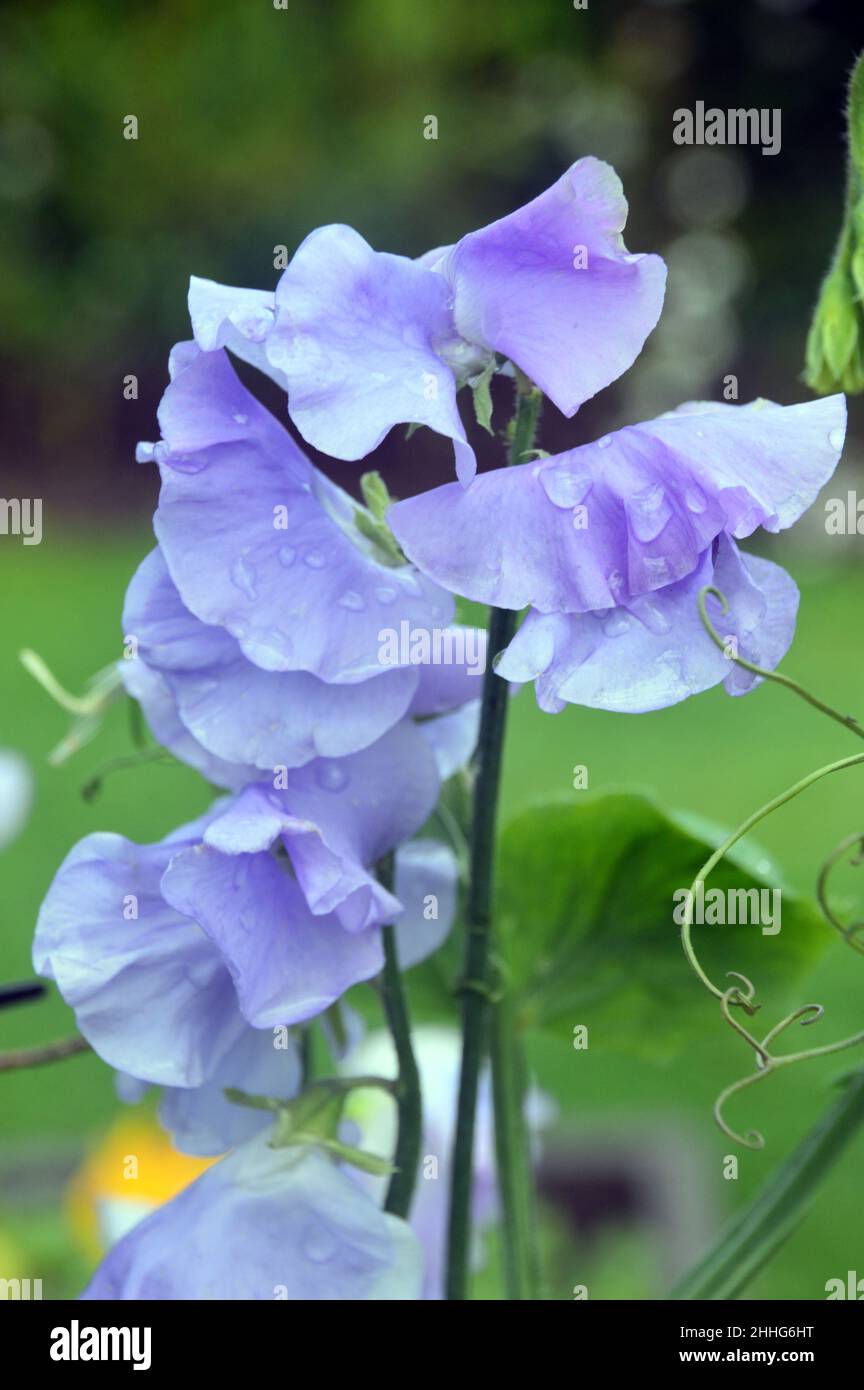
<point>265,1224</point>
<point>363,340</point>
<point>259,915</point>
<point>609,544</point>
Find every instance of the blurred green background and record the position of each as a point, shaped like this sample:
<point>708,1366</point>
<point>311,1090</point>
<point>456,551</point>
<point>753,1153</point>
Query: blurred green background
<point>255,125</point>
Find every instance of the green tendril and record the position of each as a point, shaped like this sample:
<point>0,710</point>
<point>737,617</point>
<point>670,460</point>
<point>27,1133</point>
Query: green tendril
<point>846,720</point>
<point>848,933</point>
<point>743,994</point>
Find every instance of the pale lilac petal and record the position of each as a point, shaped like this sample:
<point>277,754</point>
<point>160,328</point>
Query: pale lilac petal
<point>307,596</point>
<point>265,1224</point>
<point>238,712</point>
<point>287,965</point>
<point>151,994</point>
<point>628,514</point>
<point>224,316</point>
<point>357,338</point>
<point>201,1119</point>
<point>453,738</point>
<point>426,883</point>
<point>517,288</point>
<point>655,651</point>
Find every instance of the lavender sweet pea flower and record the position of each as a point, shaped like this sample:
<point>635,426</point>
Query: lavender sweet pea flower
<point>265,1224</point>
<point>653,651</point>
<point>635,511</point>
<point>171,954</point>
<point>363,340</point>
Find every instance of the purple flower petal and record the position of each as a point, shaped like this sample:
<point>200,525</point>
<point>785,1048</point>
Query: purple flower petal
<point>151,994</point>
<point>357,338</point>
<point>265,1224</point>
<point>654,651</point>
<point>287,965</point>
<point>240,713</point>
<point>519,286</point>
<point>628,514</point>
<point>426,883</point>
<point>309,595</point>
<point>223,316</point>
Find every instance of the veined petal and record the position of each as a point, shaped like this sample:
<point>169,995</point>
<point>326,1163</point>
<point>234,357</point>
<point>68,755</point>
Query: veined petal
<point>553,288</point>
<point>628,514</point>
<point>357,339</point>
<point>654,651</point>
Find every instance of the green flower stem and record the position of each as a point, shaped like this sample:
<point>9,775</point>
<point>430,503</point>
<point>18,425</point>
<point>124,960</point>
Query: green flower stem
<point>756,1234</point>
<point>409,1100</point>
<point>512,1154</point>
<point>476,985</point>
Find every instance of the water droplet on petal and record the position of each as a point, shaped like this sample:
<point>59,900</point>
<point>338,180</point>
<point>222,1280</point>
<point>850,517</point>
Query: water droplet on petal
<point>145,452</point>
<point>351,599</point>
<point>319,1246</point>
<point>616,624</point>
<point>695,499</point>
<point>286,555</point>
<point>331,777</point>
<point>615,580</point>
<point>314,559</point>
<point>648,512</point>
<point>243,578</point>
<point>648,611</point>
<point>241,419</point>
<point>836,438</point>
<point>385,594</point>
<point>564,487</point>
<point>604,442</point>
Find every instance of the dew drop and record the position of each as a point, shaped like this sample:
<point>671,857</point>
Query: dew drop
<point>648,512</point>
<point>286,555</point>
<point>145,452</point>
<point>651,615</point>
<point>318,1245</point>
<point>314,559</point>
<point>385,594</point>
<point>616,624</point>
<point>564,487</point>
<point>604,442</point>
<point>241,419</point>
<point>331,777</point>
<point>352,600</point>
<point>243,578</point>
<point>836,438</point>
<point>695,500</point>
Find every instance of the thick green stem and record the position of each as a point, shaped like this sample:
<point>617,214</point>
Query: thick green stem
<point>757,1233</point>
<point>409,1100</point>
<point>512,1154</point>
<point>476,985</point>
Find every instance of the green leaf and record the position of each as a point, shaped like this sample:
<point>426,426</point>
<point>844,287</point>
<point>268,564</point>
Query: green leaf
<point>586,931</point>
<point>483,396</point>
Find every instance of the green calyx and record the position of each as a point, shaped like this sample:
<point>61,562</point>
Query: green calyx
<point>370,520</point>
<point>314,1117</point>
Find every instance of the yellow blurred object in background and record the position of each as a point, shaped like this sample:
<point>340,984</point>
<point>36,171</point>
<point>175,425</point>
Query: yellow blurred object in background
<point>129,1173</point>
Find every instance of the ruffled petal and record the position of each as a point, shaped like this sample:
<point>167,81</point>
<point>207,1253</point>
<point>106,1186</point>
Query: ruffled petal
<point>654,651</point>
<point>628,514</point>
<point>259,542</point>
<point>223,316</point>
<point>356,338</point>
<point>337,819</point>
<point>553,288</point>
<point>240,713</point>
<point>287,965</point>
<point>151,994</point>
<point>265,1224</point>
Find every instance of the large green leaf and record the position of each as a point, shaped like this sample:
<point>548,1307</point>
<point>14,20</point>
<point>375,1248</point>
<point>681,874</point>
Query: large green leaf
<point>586,930</point>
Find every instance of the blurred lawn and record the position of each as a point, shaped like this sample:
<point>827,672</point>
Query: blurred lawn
<point>717,756</point>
